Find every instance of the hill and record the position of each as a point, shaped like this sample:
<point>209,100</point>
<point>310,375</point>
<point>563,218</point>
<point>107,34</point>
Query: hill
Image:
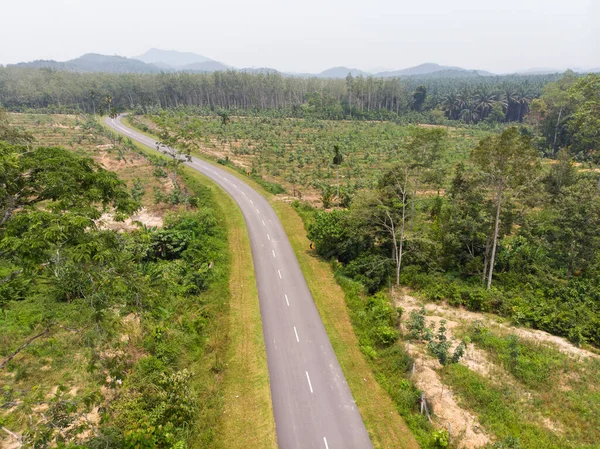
<point>206,66</point>
<point>171,58</point>
<point>430,68</point>
<point>341,72</point>
<point>92,62</point>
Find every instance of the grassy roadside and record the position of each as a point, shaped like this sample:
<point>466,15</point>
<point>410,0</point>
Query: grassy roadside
<point>248,412</point>
<point>247,405</point>
<point>386,428</point>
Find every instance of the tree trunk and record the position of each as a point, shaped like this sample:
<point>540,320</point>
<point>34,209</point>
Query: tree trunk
<point>556,132</point>
<point>492,259</point>
<point>414,198</point>
<point>485,260</point>
<point>400,251</point>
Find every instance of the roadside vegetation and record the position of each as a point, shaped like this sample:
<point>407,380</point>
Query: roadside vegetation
<point>115,297</point>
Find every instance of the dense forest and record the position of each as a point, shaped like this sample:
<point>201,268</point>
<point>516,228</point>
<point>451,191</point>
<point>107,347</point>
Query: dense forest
<point>471,99</point>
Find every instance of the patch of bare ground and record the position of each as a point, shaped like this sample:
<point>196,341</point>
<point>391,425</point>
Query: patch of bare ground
<point>465,427</point>
<point>463,316</point>
<point>10,440</point>
<point>143,216</point>
<point>110,161</point>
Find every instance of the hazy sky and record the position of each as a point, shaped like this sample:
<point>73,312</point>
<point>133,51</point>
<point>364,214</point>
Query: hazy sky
<point>312,35</point>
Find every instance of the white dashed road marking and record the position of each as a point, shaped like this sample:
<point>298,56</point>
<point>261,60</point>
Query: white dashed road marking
<point>309,384</point>
<point>296,332</point>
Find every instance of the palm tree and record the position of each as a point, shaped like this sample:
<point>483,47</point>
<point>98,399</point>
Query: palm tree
<point>470,112</point>
<point>484,101</point>
<point>451,106</point>
<point>522,99</point>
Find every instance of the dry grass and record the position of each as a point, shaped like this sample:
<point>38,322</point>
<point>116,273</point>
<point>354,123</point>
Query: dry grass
<point>248,419</point>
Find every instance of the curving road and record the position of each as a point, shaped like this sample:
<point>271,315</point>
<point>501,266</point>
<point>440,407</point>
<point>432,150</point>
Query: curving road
<point>312,403</point>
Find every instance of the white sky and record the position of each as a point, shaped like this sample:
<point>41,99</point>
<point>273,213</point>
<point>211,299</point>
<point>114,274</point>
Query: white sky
<point>312,35</point>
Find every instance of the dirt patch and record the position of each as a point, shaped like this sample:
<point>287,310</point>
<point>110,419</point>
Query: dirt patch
<point>465,427</point>
<point>129,161</point>
<point>144,217</point>
<point>462,316</point>
<point>463,423</point>
<point>12,440</point>
<point>475,359</point>
<point>553,425</point>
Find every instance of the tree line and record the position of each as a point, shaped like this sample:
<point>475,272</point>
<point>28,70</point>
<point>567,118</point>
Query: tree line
<point>469,99</point>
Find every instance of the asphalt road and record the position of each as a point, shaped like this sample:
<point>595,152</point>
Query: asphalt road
<point>312,403</point>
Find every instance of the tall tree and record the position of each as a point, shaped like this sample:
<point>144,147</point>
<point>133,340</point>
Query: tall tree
<point>423,152</point>
<point>585,121</point>
<point>49,199</point>
<point>509,163</point>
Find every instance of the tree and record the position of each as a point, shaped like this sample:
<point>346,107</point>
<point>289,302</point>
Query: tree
<point>451,106</point>
<point>108,101</point>
<point>335,236</point>
<point>224,117</point>
<point>464,222</point>
<point>418,99</point>
<point>575,240</point>
<point>12,134</point>
<point>551,112</point>
<point>485,101</point>
<point>176,140</point>
<point>423,152</point>
<point>49,199</point>
<point>384,213</point>
<point>508,163</point>
<point>338,158</point>
<point>562,174</point>
<point>585,120</point>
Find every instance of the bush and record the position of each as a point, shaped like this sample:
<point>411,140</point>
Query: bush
<point>372,271</point>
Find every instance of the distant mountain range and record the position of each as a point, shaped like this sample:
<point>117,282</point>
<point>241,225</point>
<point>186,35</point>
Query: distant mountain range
<point>156,61</point>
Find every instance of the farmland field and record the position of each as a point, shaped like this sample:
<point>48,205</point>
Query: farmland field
<point>298,153</point>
